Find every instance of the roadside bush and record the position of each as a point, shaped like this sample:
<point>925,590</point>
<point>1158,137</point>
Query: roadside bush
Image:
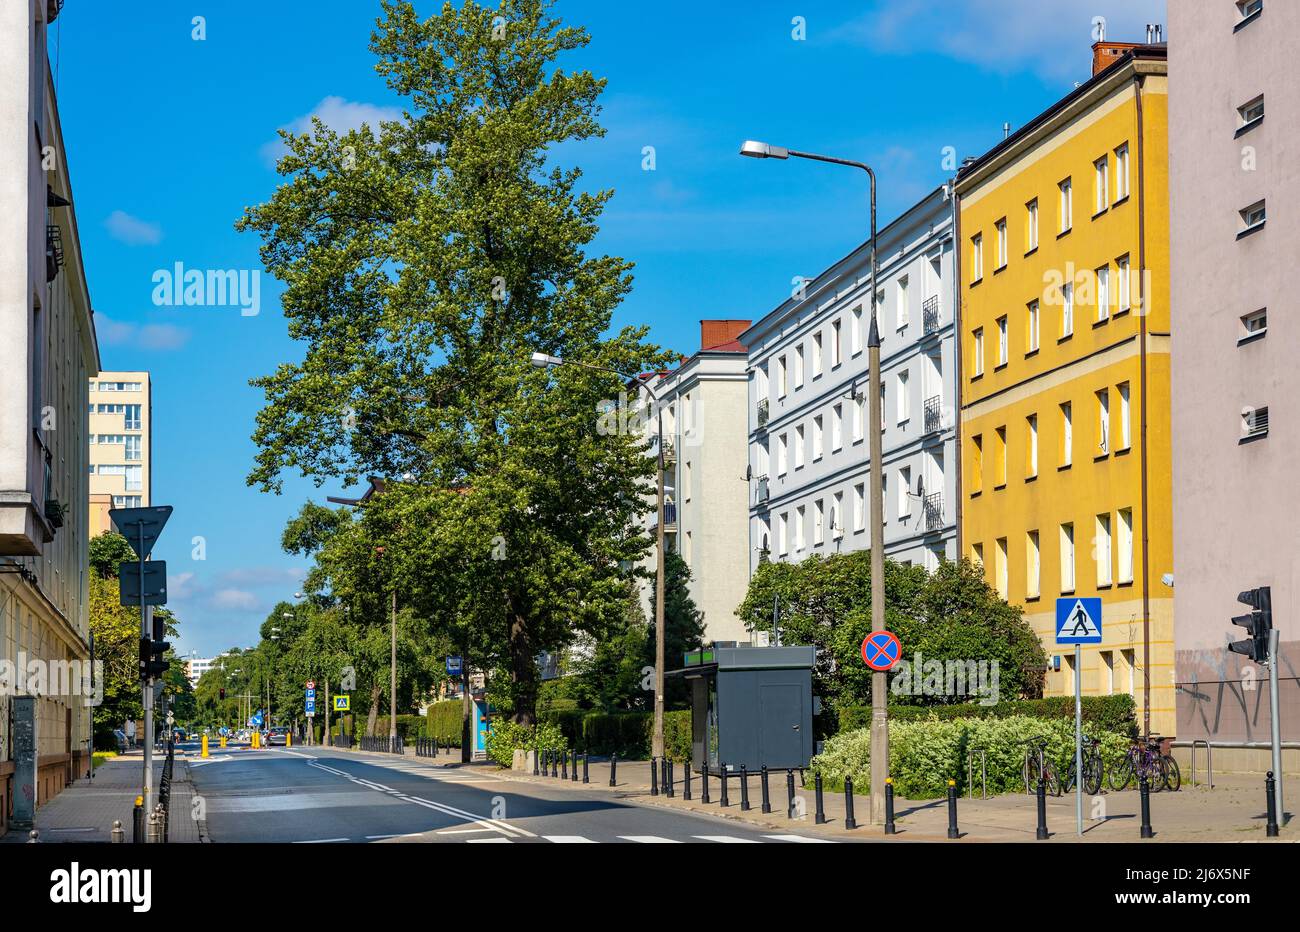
<point>505,737</point>
<point>1114,714</point>
<point>925,753</point>
<point>443,721</point>
<point>627,734</point>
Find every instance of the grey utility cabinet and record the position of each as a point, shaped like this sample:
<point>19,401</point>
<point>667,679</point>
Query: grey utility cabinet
<point>750,706</point>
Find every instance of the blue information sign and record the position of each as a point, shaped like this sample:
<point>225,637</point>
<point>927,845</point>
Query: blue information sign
<point>1078,621</point>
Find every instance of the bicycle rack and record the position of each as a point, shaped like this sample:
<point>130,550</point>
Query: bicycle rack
<point>970,773</point>
<point>1209,761</point>
<point>1024,771</point>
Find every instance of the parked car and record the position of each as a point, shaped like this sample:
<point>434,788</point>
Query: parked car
<point>277,735</point>
<point>120,737</point>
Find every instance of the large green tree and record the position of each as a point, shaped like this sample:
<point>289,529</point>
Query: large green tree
<point>423,262</point>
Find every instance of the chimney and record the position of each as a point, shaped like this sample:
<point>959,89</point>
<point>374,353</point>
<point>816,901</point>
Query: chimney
<point>715,333</point>
<point>1105,54</point>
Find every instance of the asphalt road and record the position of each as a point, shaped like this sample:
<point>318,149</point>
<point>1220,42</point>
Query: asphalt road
<point>322,795</point>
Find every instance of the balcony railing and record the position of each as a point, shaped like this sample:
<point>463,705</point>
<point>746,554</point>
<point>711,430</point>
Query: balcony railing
<point>930,315</point>
<point>933,511</point>
<point>763,492</point>
<point>763,412</point>
<point>670,517</point>
<point>670,453</point>
<point>933,414</point>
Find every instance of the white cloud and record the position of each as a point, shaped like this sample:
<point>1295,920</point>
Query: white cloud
<point>264,576</point>
<point>132,230</point>
<point>1051,39</point>
<point>139,336</point>
<point>234,599</point>
<point>338,114</point>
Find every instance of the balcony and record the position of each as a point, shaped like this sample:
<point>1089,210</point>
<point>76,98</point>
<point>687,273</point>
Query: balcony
<point>670,518</point>
<point>763,413</point>
<point>933,408</point>
<point>933,512</point>
<point>930,315</point>
<point>670,453</point>
<point>762,492</point>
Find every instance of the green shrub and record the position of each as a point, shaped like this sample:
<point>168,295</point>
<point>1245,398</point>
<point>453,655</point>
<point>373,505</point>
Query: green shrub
<point>1114,714</point>
<point>677,735</point>
<point>924,753</point>
<point>505,737</point>
<point>443,721</point>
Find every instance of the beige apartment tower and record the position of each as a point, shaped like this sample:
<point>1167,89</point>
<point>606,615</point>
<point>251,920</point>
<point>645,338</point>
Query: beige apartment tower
<point>120,444</point>
<point>1234,136</point>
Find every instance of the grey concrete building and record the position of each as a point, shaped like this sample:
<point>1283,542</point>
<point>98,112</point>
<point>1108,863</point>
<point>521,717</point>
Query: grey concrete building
<point>808,405</point>
<point>1234,142</point>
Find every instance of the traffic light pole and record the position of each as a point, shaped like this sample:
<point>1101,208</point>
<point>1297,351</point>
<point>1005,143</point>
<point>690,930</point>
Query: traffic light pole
<point>146,684</point>
<point>1273,658</point>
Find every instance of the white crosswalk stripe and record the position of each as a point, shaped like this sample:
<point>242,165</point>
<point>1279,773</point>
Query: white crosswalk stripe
<point>569,839</point>
<point>800,839</point>
<point>650,839</point>
<point>727,839</point>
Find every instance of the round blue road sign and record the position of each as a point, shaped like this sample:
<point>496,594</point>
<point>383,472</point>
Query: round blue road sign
<point>881,650</point>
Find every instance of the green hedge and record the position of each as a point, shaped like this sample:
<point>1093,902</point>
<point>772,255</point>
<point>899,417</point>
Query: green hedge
<point>443,721</point>
<point>505,737</point>
<point>626,734</point>
<point>925,753</point>
<point>1115,714</point>
<point>409,727</point>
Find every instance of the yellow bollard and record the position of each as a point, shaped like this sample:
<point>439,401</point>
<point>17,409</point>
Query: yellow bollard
<point>256,744</point>
<point>223,742</point>
<point>204,751</point>
<point>288,740</point>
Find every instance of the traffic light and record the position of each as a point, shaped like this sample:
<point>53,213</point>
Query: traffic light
<point>152,663</point>
<point>1258,624</point>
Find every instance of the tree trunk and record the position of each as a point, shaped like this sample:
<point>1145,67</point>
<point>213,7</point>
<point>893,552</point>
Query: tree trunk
<point>523,668</point>
<point>373,718</point>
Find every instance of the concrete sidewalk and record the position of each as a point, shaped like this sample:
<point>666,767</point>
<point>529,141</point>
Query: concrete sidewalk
<point>85,811</point>
<point>1232,811</point>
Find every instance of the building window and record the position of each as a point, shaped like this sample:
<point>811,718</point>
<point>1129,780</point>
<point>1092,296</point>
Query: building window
<point>1249,11</point>
<point>977,555</point>
<point>782,534</point>
<point>1001,227</point>
<point>1002,341</point>
<point>1249,114</point>
<point>976,257</point>
<point>1107,672</point>
<point>856,335</point>
<point>837,427</point>
<point>1067,558</point>
<point>817,355</point>
<point>782,454</point>
<point>1031,338</point>
<point>1102,549</point>
<point>1000,457</point>
<point>1253,325</point>
<point>688,551</point>
<point>1125,534</point>
<point>1067,434</point>
<point>903,401</point>
<point>1125,290</point>
<point>1103,421</point>
<point>1101,184</point>
<point>837,345</point>
<point>977,464</point>
<point>782,378</point>
<point>1066,205</point>
<point>134,478</point>
<point>1103,293</point>
<point>837,516</point>
<point>978,350</point>
<point>859,507</point>
<point>1254,422</point>
<point>859,417</point>
<point>1033,566</point>
<point>904,490</point>
<point>799,440</point>
<point>1031,226</point>
<point>1121,172</point>
<point>1067,310</point>
<point>818,439</point>
<point>798,366</point>
<point>1125,424</point>
<point>904,303</point>
<point>1031,429</point>
<point>686,481</point>
<point>1252,218</point>
<point>819,523</point>
<point>800,527</point>
<point>1000,567</point>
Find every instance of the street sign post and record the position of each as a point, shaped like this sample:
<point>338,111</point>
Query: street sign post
<point>342,703</point>
<point>1078,622</point>
<point>454,666</point>
<point>153,579</point>
<point>881,650</point>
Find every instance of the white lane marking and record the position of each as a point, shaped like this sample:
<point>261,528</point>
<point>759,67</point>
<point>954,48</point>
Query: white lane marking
<point>650,839</point>
<point>801,838</point>
<point>319,841</point>
<point>295,754</point>
<point>569,839</point>
<point>461,814</point>
<point>463,831</point>
<point>486,841</point>
<point>395,835</point>
<point>727,839</point>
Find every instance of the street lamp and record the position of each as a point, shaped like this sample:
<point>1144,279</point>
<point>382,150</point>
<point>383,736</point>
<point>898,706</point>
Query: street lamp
<point>546,361</point>
<point>879,686</point>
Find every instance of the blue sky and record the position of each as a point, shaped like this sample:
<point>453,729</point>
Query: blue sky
<point>169,138</point>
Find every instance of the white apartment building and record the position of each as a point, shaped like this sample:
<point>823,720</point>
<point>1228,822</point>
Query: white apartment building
<point>48,352</point>
<point>808,448</point>
<point>705,514</point>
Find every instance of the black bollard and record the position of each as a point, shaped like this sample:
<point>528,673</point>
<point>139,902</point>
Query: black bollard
<point>704,783</point>
<point>722,773</point>
<point>575,765</point>
<point>664,781</point>
<point>849,821</point>
<point>952,810</point>
<point>1145,792</point>
<point>555,763</point>
<point>613,769</point>
<point>1270,826</point>
<point>654,776</point>
<point>586,759</point>
<point>564,761</point>
<point>670,780</point>
<point>686,780</point>
<point>1042,835</point>
<point>819,817</point>
<point>536,762</point>
<point>762,780</point>
<point>789,794</point>
<point>889,807</point>
<point>744,788</point>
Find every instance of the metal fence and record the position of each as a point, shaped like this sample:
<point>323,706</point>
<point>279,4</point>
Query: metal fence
<point>387,744</point>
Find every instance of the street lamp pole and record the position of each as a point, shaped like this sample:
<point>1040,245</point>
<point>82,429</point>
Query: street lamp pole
<point>545,361</point>
<point>879,684</point>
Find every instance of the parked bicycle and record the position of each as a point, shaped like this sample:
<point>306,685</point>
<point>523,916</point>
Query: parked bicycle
<point>1094,769</point>
<point>1144,758</point>
<point>1039,766</point>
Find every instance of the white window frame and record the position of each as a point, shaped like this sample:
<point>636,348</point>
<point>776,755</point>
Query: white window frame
<point>1101,181</point>
<point>817,351</point>
<point>1033,565</point>
<point>1031,225</point>
<point>1001,227</point>
<point>1103,420</point>
<point>1034,325</point>
<point>1068,581</point>
<point>1103,550</point>
<point>902,290</point>
<point>1002,340</point>
<point>977,257</point>
<point>903,401</point>
<point>1124,538</point>
<point>818,439</point>
<point>1122,266</point>
<point>800,446</point>
<point>1031,428</point>
<point>1067,433</point>
<point>1065,189</point>
<point>1103,292</point>
<point>1067,310</point>
<point>978,349</point>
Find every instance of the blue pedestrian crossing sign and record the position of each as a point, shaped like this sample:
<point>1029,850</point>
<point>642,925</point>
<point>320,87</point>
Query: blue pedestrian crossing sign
<point>1078,621</point>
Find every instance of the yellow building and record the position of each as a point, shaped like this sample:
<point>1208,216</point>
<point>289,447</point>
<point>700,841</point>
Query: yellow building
<point>121,432</point>
<point>1065,464</point>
